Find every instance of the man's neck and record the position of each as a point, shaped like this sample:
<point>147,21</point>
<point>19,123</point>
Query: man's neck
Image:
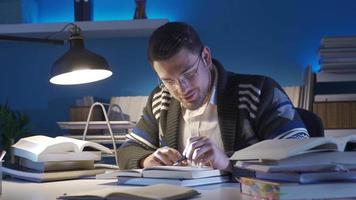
<point>211,84</point>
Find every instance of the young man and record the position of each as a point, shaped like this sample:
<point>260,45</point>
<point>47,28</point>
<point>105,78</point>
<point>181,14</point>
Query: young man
<point>201,111</point>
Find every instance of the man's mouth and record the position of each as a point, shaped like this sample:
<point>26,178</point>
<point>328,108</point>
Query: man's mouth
<point>190,97</point>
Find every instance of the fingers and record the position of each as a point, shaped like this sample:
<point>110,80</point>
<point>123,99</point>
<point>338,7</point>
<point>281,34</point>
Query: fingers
<point>166,156</point>
<point>196,146</point>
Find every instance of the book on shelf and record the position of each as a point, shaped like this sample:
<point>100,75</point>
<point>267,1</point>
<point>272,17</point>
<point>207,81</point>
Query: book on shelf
<point>36,176</point>
<point>140,181</point>
<point>159,191</point>
<point>339,49</point>
<point>173,172</point>
<point>43,148</point>
<point>56,165</point>
<point>335,77</point>
<point>262,189</point>
<point>277,149</point>
<point>330,42</point>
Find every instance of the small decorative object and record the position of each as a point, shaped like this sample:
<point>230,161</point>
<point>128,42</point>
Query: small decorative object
<point>83,10</point>
<point>140,11</point>
<point>13,126</point>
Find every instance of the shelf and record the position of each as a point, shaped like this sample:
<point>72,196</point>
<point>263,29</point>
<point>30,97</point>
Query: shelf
<point>97,125</point>
<point>334,97</point>
<point>339,132</point>
<point>102,139</point>
<point>97,29</point>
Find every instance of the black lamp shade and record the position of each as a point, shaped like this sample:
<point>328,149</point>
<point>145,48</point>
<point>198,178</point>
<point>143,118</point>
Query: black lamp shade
<point>79,65</point>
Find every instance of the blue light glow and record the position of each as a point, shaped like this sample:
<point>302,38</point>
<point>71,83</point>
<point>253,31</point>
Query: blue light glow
<point>58,11</point>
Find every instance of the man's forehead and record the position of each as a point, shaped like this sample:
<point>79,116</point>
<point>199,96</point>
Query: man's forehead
<point>178,63</point>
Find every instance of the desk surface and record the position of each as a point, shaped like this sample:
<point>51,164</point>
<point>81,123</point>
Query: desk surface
<point>18,190</point>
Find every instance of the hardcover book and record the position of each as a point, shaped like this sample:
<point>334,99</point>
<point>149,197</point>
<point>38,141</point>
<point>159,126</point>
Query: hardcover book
<point>56,165</point>
<point>173,172</point>
<point>36,176</point>
<point>139,181</point>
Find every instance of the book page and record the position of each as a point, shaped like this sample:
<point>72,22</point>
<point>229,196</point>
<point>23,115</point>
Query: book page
<point>178,168</point>
<point>180,172</point>
<point>81,144</point>
<point>125,172</point>
<point>32,147</point>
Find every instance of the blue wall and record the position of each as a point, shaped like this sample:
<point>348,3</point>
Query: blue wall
<point>276,38</point>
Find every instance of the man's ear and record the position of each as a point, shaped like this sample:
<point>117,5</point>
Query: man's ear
<point>206,55</point>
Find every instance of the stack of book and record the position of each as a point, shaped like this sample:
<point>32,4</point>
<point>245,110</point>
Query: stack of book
<point>337,59</point>
<point>174,175</point>
<point>313,168</point>
<point>41,158</point>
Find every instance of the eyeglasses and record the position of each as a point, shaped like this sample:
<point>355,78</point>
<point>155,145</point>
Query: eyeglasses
<point>188,76</point>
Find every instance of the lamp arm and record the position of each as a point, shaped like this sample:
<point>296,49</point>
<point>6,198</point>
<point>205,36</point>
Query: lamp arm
<point>29,39</point>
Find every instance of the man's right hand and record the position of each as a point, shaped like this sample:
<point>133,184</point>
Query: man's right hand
<point>162,156</point>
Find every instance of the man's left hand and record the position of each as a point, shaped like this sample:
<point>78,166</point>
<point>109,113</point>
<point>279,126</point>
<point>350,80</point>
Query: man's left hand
<point>204,151</point>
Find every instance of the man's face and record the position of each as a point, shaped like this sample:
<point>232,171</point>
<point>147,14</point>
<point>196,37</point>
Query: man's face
<point>186,76</point>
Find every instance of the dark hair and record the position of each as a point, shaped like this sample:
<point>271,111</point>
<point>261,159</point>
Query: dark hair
<point>169,39</point>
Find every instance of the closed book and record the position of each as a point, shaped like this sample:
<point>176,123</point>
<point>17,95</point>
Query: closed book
<point>42,148</point>
<point>314,161</point>
<point>181,182</point>
<point>159,191</point>
<point>309,177</point>
<point>56,165</point>
<point>36,176</point>
<point>261,189</point>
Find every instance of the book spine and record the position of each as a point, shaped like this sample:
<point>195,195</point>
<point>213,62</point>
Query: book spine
<point>259,189</point>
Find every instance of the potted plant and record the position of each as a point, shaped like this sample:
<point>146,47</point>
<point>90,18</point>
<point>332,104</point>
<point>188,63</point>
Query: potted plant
<point>13,126</point>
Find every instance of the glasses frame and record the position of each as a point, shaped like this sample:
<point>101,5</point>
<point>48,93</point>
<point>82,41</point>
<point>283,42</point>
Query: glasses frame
<point>186,77</point>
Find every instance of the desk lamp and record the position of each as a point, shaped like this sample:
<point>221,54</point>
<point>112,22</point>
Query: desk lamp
<point>78,65</point>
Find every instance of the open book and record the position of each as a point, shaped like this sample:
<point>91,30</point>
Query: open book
<point>284,148</point>
<point>159,191</point>
<point>172,172</point>
<point>43,148</point>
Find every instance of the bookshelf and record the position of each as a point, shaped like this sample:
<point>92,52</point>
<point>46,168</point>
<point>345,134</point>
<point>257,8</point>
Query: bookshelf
<point>91,29</point>
<point>335,101</point>
<point>338,113</point>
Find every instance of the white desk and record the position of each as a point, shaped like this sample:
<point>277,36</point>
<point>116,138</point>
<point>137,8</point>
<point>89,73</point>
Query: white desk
<point>20,190</point>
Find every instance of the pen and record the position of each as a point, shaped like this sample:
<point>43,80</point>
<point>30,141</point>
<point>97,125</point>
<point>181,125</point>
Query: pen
<point>180,160</point>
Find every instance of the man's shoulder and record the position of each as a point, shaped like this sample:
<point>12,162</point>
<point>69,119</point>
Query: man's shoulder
<point>258,81</point>
<point>160,90</point>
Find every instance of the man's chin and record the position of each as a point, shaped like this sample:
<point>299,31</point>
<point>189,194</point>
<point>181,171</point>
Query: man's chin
<point>191,106</point>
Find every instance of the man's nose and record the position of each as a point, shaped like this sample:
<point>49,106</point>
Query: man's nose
<point>182,85</point>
